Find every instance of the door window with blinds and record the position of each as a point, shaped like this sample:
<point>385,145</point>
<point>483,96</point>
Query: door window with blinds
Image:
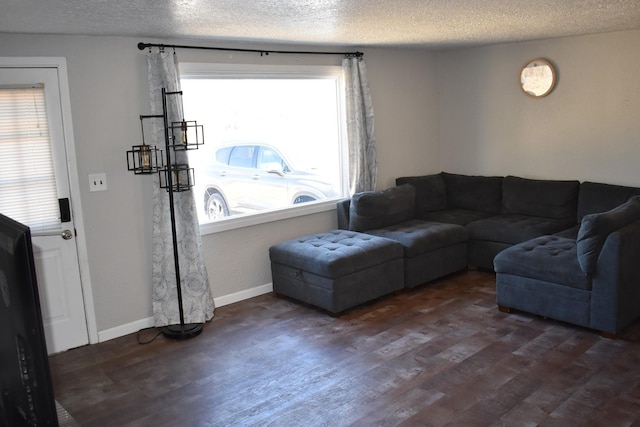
<point>28,191</point>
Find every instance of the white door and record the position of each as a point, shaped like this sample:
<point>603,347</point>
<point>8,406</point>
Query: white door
<point>54,241</point>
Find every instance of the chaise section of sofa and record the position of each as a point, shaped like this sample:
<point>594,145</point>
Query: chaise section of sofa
<point>590,281</point>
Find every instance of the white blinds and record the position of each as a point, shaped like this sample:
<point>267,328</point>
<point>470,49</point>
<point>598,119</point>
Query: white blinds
<point>27,179</point>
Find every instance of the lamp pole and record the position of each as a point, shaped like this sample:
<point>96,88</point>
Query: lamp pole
<point>181,331</point>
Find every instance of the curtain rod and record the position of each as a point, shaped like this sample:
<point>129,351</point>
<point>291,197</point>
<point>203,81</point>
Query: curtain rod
<point>143,46</point>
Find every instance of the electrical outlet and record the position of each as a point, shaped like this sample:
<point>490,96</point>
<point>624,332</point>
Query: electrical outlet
<point>97,182</point>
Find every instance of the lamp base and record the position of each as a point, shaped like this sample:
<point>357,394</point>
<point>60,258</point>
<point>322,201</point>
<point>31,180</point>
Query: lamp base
<point>182,332</point>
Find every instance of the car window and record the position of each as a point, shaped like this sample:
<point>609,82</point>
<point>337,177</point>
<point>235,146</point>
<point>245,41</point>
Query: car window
<point>242,156</point>
<point>269,159</point>
<point>222,155</point>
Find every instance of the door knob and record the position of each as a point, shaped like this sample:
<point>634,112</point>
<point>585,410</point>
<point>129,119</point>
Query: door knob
<point>67,235</point>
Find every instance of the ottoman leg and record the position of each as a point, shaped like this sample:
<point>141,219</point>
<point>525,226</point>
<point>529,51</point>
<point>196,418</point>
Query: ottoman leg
<point>504,309</point>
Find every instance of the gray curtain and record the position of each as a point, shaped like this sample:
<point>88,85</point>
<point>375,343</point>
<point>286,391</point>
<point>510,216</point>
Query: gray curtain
<point>197,299</point>
<point>363,167</point>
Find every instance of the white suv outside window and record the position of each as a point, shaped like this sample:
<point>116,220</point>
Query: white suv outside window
<point>246,177</point>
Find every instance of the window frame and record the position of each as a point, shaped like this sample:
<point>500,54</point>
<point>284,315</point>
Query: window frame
<point>195,70</point>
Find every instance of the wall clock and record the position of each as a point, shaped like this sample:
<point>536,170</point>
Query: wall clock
<point>537,78</point>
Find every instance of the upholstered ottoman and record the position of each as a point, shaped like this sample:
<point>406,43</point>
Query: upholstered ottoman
<point>337,270</point>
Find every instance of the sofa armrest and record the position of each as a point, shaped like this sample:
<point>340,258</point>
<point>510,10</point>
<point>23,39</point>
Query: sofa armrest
<point>615,295</point>
<point>343,213</point>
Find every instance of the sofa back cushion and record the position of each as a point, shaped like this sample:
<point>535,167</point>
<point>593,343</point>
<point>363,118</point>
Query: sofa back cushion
<point>478,193</point>
<point>543,198</point>
<point>431,193</point>
<point>595,228</point>
<point>596,197</point>
<point>376,209</point>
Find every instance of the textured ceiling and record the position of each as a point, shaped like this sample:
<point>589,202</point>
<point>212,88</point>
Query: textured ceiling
<point>425,23</point>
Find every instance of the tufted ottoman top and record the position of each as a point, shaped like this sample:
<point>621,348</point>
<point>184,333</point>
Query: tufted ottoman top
<point>553,259</point>
<point>335,253</point>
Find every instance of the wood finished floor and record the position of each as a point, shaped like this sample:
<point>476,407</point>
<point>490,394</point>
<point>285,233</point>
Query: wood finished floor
<point>441,354</point>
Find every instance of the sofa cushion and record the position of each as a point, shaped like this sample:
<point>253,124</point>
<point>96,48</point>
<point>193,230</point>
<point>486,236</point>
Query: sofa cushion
<point>596,197</point>
<point>481,193</point>
<point>569,233</point>
<point>375,209</point>
<point>595,228</point>
<point>418,237</point>
<point>431,193</point>
<point>514,229</point>
<point>455,216</point>
<point>550,259</point>
<point>544,198</point>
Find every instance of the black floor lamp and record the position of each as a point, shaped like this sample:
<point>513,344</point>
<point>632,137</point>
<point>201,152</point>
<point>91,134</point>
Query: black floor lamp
<point>174,177</point>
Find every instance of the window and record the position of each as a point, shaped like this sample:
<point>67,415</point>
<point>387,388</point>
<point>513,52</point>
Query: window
<point>27,178</point>
<point>270,160</point>
<point>242,157</point>
<point>273,140</point>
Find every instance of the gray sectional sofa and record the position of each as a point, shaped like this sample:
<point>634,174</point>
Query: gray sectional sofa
<point>562,249</point>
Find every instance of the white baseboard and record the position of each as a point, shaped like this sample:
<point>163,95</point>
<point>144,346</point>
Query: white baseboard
<point>126,329</point>
<point>243,295</point>
<point>130,328</point>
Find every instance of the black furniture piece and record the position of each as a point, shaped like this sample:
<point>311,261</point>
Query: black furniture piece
<point>26,392</point>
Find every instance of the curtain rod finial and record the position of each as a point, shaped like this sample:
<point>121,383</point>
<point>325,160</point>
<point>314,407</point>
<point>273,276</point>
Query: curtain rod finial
<point>142,46</point>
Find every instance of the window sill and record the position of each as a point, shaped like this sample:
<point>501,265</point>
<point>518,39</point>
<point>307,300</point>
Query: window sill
<point>241,221</point>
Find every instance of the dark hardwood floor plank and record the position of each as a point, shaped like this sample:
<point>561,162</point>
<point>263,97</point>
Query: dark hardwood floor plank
<point>440,354</point>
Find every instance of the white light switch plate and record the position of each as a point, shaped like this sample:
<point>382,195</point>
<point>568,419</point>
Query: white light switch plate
<point>97,182</point>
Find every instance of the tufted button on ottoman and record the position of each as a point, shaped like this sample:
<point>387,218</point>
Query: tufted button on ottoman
<point>337,270</point>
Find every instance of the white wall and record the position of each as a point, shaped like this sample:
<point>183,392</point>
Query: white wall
<point>588,128</point>
<point>108,85</point>
<point>404,89</point>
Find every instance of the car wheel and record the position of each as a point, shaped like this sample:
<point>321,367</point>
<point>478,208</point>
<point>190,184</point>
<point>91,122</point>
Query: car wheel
<point>303,199</point>
<point>216,207</point>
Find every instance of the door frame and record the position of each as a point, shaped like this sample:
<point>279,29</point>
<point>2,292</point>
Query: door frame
<point>60,63</point>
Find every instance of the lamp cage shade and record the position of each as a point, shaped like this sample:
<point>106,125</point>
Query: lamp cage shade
<point>182,178</point>
<point>187,135</point>
<point>144,159</point>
